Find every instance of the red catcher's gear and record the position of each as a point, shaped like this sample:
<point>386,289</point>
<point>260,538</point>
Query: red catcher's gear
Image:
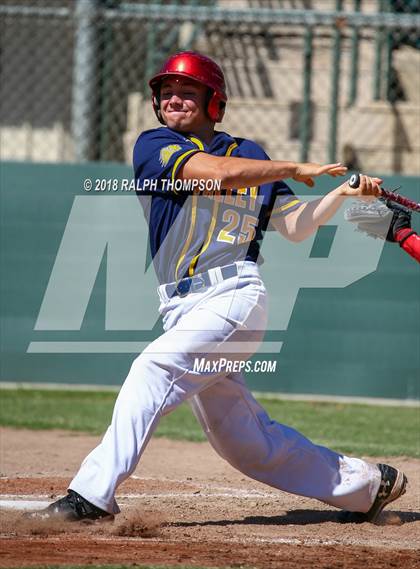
<point>409,241</point>
<point>199,68</point>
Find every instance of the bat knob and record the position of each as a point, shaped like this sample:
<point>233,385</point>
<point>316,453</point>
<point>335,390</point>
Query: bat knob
<point>354,181</point>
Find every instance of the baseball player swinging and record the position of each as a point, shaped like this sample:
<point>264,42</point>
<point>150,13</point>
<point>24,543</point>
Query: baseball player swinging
<point>205,248</point>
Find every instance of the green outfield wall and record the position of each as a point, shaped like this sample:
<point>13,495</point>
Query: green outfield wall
<point>78,294</point>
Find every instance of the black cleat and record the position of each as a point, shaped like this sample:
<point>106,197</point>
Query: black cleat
<point>393,485</point>
<point>71,508</point>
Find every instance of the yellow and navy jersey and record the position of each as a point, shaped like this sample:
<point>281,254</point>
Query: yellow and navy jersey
<point>193,228</point>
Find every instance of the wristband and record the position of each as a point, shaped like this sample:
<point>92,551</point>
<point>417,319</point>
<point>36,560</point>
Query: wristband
<point>405,234</point>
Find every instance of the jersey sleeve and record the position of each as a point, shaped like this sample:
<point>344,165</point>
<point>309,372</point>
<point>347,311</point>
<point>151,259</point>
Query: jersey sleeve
<point>277,199</point>
<point>158,155</point>
<point>285,200</point>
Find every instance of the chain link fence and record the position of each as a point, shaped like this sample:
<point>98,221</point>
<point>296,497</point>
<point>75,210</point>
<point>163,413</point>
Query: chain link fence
<point>313,80</point>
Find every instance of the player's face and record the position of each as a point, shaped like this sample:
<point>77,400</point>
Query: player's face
<point>182,104</point>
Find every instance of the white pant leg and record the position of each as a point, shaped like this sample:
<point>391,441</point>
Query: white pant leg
<point>240,430</point>
<point>162,377</point>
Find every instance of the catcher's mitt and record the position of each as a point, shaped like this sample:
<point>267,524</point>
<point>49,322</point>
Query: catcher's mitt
<point>380,219</point>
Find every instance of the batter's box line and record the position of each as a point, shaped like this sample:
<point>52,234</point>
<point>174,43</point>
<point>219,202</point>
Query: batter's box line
<point>198,494</point>
<point>256,493</point>
<point>38,501</point>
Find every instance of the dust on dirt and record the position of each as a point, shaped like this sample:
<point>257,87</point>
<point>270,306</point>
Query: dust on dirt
<point>194,511</point>
<point>137,523</point>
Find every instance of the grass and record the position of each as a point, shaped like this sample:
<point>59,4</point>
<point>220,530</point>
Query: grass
<point>354,429</point>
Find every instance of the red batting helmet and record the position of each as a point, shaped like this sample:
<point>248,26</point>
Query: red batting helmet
<point>200,68</point>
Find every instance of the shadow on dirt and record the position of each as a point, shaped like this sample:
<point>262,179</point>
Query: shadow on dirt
<point>303,518</point>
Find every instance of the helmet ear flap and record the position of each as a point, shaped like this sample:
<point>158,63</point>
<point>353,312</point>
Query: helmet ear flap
<point>215,107</point>
<point>156,107</point>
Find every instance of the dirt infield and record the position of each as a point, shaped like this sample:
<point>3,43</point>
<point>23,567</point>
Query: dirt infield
<point>184,505</point>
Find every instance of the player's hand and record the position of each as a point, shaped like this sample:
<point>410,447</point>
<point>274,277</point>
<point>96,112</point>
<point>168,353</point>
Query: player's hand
<point>368,188</point>
<point>306,171</point>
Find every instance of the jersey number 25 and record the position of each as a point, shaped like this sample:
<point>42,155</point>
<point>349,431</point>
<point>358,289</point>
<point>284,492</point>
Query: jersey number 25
<point>233,219</point>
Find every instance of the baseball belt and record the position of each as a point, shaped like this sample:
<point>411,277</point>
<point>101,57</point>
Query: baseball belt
<point>202,280</point>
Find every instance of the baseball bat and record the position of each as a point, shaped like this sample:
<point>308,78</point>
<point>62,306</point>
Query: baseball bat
<point>354,182</point>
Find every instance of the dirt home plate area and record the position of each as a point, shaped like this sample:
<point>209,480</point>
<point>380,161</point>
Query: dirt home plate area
<point>185,506</point>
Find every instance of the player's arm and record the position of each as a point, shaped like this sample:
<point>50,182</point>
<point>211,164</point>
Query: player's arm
<point>236,172</point>
<point>304,221</point>
<point>410,243</point>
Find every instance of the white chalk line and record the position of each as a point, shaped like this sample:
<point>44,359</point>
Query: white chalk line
<point>207,491</point>
<point>225,489</point>
<point>207,486</point>
<point>23,504</point>
<point>37,501</point>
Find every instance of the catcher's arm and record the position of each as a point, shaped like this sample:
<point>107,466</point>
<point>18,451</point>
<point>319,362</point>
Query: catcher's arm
<point>410,242</point>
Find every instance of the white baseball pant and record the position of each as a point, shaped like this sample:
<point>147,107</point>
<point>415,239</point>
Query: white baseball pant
<point>227,317</point>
